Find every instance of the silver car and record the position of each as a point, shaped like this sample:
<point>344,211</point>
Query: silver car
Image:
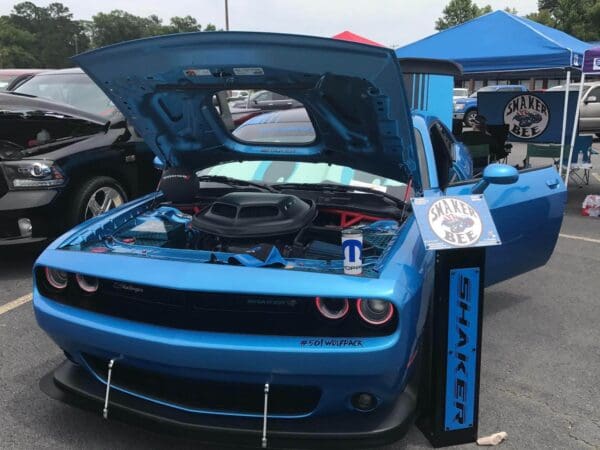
<point>589,115</point>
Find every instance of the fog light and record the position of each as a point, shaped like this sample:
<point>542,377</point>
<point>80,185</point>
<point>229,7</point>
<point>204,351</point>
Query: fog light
<point>25,227</point>
<point>363,401</point>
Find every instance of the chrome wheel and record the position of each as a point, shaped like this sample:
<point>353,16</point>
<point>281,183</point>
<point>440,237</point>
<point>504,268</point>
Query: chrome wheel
<point>102,200</point>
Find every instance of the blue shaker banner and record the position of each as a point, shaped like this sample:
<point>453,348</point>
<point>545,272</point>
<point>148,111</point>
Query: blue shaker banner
<point>534,117</point>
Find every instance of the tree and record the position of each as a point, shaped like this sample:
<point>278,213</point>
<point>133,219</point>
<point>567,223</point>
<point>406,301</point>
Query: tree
<point>15,45</point>
<point>184,25</point>
<point>56,36</point>
<point>460,11</point>
<point>580,18</point>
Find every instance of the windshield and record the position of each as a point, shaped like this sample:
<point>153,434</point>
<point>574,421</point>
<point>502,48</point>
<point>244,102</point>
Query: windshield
<point>483,89</point>
<point>75,89</point>
<point>573,87</point>
<point>273,172</point>
<point>5,80</point>
<point>460,92</point>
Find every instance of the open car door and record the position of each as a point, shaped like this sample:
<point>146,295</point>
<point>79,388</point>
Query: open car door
<point>528,215</point>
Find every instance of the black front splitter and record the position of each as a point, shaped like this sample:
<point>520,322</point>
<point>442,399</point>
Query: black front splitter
<point>73,385</point>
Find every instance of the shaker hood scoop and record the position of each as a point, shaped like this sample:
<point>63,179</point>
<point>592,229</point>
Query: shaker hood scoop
<point>353,93</point>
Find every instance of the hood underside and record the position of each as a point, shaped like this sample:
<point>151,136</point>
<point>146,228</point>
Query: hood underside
<point>353,94</point>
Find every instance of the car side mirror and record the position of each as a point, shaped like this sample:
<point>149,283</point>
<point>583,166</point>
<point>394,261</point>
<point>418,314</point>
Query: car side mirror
<point>591,99</point>
<point>496,174</point>
<point>158,164</point>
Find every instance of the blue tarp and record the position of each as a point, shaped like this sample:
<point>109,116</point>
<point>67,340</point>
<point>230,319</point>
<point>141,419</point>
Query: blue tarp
<point>500,42</point>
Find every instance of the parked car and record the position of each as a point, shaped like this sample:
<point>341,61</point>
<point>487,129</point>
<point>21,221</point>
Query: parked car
<point>220,303</point>
<point>459,93</point>
<point>264,100</point>
<point>589,112</point>
<point>465,109</point>
<point>11,78</point>
<point>60,166</point>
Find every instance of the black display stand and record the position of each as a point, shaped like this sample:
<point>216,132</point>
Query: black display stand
<point>450,392</point>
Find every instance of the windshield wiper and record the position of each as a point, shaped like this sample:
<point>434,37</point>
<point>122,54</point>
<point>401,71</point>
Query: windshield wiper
<point>233,182</point>
<point>338,188</point>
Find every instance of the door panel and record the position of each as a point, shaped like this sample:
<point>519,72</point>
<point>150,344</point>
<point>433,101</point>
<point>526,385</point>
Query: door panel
<point>528,216</point>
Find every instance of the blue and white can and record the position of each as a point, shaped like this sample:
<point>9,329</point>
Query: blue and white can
<point>352,246</point>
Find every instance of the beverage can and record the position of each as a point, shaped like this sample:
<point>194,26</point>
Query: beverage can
<point>352,246</point>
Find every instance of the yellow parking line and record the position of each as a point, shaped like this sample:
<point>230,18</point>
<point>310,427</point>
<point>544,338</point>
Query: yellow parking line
<point>580,238</point>
<point>15,303</point>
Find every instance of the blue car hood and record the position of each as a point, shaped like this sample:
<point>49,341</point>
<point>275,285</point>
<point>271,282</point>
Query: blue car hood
<point>353,93</point>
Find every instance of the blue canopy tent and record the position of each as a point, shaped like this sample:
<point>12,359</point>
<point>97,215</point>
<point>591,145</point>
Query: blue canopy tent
<point>500,42</point>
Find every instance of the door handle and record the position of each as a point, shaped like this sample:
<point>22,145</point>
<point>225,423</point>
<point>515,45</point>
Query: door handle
<point>552,184</point>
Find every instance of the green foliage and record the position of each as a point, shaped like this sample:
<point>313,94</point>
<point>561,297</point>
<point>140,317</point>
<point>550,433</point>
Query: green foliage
<point>580,18</point>
<point>460,11</point>
<point>46,37</point>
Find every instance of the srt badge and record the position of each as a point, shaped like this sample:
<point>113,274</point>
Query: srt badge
<point>527,116</point>
<point>455,222</point>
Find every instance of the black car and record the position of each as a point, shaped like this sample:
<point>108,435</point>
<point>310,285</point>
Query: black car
<point>61,165</point>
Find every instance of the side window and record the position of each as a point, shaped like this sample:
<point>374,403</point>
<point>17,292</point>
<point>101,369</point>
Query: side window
<point>594,93</point>
<point>442,150</point>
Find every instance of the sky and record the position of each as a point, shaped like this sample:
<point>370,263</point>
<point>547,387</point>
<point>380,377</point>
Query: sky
<point>393,23</point>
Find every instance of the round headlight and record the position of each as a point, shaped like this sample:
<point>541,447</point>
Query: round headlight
<point>375,312</point>
<point>58,279</point>
<point>87,284</point>
<point>332,308</point>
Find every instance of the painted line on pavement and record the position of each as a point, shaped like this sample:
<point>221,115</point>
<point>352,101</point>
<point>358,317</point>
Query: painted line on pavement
<point>580,238</point>
<point>596,176</point>
<point>15,303</point>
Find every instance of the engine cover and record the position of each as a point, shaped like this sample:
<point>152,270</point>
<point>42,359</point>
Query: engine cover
<point>255,214</point>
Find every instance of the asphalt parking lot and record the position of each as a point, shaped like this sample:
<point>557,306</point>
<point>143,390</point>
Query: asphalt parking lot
<point>540,358</point>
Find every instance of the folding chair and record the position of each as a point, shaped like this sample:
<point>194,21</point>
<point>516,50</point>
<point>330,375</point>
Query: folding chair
<point>551,151</point>
<point>580,168</point>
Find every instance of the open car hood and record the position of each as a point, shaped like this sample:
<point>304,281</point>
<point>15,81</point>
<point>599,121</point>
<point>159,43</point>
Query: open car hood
<point>353,93</point>
<point>28,105</point>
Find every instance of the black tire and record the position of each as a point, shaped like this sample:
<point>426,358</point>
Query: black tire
<point>469,116</point>
<point>94,186</point>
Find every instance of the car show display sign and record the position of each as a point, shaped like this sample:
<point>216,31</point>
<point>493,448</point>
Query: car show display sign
<point>455,222</point>
<point>535,117</point>
<point>458,228</point>
<point>591,61</point>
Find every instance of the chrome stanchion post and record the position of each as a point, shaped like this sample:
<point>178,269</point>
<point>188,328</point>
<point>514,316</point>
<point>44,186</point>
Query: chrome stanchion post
<point>266,406</point>
<point>111,364</point>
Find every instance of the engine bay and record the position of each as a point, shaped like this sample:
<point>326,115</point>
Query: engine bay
<point>291,229</point>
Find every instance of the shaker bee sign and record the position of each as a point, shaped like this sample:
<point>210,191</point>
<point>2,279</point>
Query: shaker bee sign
<point>527,116</point>
<point>530,117</point>
<point>455,222</point>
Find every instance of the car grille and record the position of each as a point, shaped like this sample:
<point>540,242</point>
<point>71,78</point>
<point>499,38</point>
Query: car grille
<point>214,312</point>
<point>216,396</point>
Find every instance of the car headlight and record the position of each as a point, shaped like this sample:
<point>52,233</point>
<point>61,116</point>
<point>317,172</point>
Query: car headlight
<point>32,174</point>
<point>459,106</point>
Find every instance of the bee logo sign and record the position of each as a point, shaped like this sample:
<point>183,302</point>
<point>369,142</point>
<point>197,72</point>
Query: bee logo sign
<point>455,222</point>
<point>527,116</point>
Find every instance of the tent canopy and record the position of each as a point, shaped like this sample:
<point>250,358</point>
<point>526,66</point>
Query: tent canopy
<point>501,42</point>
<point>352,37</point>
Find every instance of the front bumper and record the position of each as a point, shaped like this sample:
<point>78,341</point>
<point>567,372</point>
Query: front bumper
<point>39,206</point>
<point>458,115</point>
<point>72,384</point>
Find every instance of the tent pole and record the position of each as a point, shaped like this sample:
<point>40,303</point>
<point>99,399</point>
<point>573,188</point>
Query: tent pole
<point>564,124</point>
<point>575,127</point>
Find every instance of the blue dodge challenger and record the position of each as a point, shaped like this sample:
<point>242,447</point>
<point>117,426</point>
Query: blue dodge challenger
<point>223,302</point>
